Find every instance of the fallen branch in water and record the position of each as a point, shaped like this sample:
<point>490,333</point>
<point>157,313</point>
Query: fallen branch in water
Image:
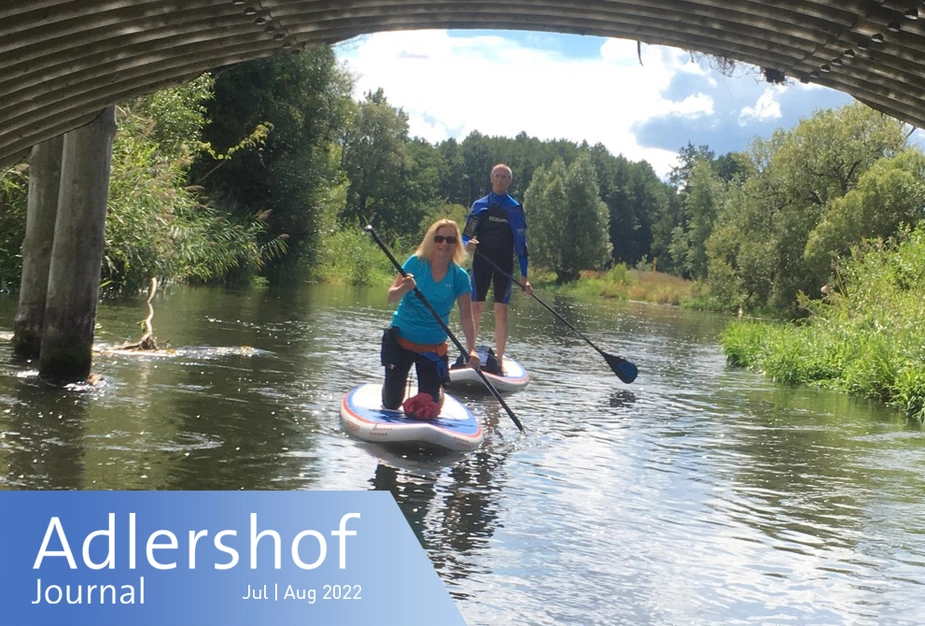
<point>147,341</point>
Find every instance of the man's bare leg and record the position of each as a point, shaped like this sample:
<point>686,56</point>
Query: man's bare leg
<point>501,331</point>
<point>477,308</point>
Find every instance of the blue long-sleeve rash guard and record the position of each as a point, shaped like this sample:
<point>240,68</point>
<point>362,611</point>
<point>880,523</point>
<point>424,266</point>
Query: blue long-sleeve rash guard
<point>516,219</point>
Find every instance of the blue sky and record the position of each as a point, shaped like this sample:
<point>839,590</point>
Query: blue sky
<point>552,86</point>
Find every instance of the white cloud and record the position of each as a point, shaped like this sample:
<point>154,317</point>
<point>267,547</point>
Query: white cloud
<point>453,83</point>
<point>767,108</point>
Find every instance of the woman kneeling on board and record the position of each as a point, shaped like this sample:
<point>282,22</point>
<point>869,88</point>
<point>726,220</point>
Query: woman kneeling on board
<point>415,336</point>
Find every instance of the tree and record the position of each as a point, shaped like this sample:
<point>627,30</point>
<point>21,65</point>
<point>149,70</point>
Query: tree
<point>739,269</point>
<point>888,196</point>
<point>425,169</point>
<point>635,198</point>
<point>479,156</point>
<point>797,178</point>
<point>650,199</point>
<point>682,231</point>
<point>688,156</point>
<point>14,187</point>
<point>302,101</point>
<point>567,219</point>
<point>454,179</point>
<point>376,159</point>
<point>158,226</point>
<point>700,201</point>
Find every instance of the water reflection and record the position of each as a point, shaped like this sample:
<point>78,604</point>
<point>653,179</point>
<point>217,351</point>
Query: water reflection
<point>700,494</point>
<point>622,399</point>
<point>450,500</point>
<point>803,484</point>
<point>42,437</point>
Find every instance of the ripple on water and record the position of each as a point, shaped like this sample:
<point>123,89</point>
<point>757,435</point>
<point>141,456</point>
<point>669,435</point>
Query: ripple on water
<point>700,494</point>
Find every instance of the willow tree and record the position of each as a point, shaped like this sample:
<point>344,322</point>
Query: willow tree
<point>889,196</point>
<point>799,176</point>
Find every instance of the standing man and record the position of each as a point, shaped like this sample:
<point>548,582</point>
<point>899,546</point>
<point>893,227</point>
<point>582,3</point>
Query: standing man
<point>496,230</point>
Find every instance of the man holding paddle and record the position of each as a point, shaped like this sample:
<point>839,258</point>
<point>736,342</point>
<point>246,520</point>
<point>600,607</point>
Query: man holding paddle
<point>496,228</point>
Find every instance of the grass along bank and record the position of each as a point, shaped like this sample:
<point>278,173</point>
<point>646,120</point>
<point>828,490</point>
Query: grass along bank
<point>350,256</point>
<point>623,284</point>
<point>866,338</point>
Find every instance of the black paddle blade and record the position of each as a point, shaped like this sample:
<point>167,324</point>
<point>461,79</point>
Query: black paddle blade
<point>624,370</point>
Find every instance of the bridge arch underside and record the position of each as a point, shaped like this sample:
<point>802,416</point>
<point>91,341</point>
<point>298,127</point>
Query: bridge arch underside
<point>62,61</point>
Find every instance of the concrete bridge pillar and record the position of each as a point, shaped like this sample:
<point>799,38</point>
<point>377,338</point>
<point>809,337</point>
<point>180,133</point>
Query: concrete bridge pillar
<point>77,251</point>
<point>44,184</point>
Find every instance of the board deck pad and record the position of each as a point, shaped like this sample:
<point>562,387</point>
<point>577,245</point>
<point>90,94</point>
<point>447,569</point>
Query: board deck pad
<point>515,377</point>
<point>363,416</point>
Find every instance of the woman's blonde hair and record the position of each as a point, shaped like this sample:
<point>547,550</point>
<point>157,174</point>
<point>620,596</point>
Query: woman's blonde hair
<point>425,249</point>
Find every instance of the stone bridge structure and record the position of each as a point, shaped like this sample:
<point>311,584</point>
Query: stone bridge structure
<point>64,63</point>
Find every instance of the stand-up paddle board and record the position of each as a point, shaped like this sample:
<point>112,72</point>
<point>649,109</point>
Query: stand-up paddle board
<point>365,418</point>
<point>514,378</point>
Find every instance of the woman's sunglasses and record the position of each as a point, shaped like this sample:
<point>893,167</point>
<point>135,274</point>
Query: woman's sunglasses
<point>450,240</point>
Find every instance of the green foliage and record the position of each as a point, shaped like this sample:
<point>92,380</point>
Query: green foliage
<point>742,342</point>
<point>739,267</point>
<point>14,188</point>
<point>454,178</point>
<point>700,203</point>
<point>889,195</point>
<point>421,185</point>
<point>145,190</point>
<point>688,157</point>
<point>289,161</point>
<point>455,212</point>
<point>523,154</point>
<point>619,275</point>
<point>638,204</point>
<point>401,179</point>
<point>909,390</point>
<point>377,159</point>
<point>545,195</point>
<point>280,117</point>
<point>865,336</point>
<point>156,226</point>
<point>177,116</point>
<point>568,220</point>
<point>623,284</point>
<point>681,229</point>
<point>787,354</point>
<point>352,257</point>
<point>782,225</point>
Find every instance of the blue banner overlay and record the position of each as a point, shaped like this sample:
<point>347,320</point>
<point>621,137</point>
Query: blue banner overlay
<point>217,558</point>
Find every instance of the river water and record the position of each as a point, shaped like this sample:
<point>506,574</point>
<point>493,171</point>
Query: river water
<point>700,494</point>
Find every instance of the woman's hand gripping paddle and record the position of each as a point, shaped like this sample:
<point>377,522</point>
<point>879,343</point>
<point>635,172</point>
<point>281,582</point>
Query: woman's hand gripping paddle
<point>462,348</point>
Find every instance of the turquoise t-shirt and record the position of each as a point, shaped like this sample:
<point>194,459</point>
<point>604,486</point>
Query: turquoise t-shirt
<point>413,319</point>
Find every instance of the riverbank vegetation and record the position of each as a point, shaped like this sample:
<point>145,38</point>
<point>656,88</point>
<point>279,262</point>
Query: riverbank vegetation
<point>157,224</point>
<point>267,171</point>
<point>621,283</point>
<point>866,336</point>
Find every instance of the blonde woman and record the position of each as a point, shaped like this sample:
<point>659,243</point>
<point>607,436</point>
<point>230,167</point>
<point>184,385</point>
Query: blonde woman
<point>415,337</point>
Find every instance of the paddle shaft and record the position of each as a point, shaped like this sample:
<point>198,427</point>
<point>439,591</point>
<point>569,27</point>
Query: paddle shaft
<point>446,329</point>
<point>547,307</point>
